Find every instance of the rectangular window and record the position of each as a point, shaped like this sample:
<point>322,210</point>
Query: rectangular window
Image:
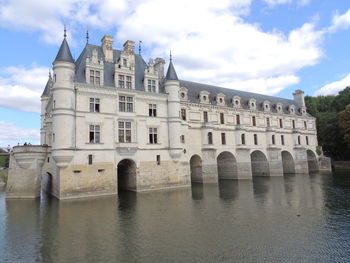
<point>273,139</point>
<point>253,120</point>
<point>129,104</point>
<point>305,125</point>
<point>152,110</point>
<point>268,122</point>
<point>158,159</point>
<point>94,134</point>
<point>205,116</point>
<point>223,138</point>
<point>128,82</point>
<point>299,142</point>
<point>151,85</point>
<point>238,120</point>
<point>281,123</point>
<point>255,139</point>
<point>282,139</point>
<point>126,104</point>
<point>121,81</point>
<point>183,114</point>
<point>243,138</point>
<point>94,77</point>
<point>153,135</point>
<point>307,140</point>
<point>125,62</point>
<point>94,105</point>
<point>90,159</point>
<point>182,138</point>
<point>222,118</point>
<point>293,123</point>
<point>124,131</point>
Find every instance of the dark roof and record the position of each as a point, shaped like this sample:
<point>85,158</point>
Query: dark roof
<point>109,68</point>
<point>194,90</point>
<point>48,86</point>
<point>64,53</point>
<point>171,73</point>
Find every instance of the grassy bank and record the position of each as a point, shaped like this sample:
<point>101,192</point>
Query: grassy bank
<point>3,176</point>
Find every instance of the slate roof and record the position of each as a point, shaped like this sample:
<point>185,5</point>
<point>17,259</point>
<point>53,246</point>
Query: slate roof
<point>194,88</point>
<point>48,86</point>
<point>64,53</point>
<point>171,73</point>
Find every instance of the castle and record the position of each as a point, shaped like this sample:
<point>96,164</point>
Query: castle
<point>110,121</point>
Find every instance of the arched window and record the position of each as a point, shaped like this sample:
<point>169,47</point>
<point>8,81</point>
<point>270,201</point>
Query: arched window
<point>255,139</point>
<point>243,138</point>
<point>299,142</point>
<point>273,139</point>
<point>210,138</point>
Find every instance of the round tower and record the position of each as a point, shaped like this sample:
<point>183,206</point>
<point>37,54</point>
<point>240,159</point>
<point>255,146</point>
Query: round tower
<point>172,87</point>
<point>63,106</point>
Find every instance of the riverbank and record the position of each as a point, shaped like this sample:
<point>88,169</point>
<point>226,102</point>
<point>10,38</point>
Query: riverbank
<point>3,177</point>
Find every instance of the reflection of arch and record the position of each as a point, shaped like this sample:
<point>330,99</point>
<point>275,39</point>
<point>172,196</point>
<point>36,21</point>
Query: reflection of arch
<point>288,163</point>
<point>127,175</point>
<point>227,166</point>
<point>47,183</point>
<point>312,161</point>
<point>260,165</point>
<point>196,169</point>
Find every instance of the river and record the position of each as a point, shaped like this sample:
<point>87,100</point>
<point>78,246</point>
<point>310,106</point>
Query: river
<point>296,218</point>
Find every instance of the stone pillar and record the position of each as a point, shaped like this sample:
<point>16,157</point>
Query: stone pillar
<point>324,164</point>
<point>275,161</point>
<point>24,177</point>
<point>209,166</point>
<point>301,166</point>
<point>244,167</point>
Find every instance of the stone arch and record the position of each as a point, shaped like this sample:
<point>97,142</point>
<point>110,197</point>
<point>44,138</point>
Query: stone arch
<point>259,163</point>
<point>196,169</point>
<point>312,161</point>
<point>47,183</point>
<point>288,163</point>
<point>126,175</point>
<point>227,166</point>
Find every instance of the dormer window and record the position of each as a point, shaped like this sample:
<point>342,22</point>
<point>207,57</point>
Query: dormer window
<point>204,97</point>
<point>125,62</point>
<point>252,104</point>
<point>292,109</point>
<point>95,77</point>
<point>236,101</point>
<point>124,82</point>
<point>220,99</point>
<point>183,94</point>
<point>279,108</point>
<point>151,85</point>
<point>303,111</point>
<point>266,105</point>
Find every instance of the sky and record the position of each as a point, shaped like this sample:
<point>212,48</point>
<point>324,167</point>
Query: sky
<point>266,46</point>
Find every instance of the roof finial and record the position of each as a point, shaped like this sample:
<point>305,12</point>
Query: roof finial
<point>65,31</point>
<point>171,57</point>
<point>140,47</point>
<point>87,36</point>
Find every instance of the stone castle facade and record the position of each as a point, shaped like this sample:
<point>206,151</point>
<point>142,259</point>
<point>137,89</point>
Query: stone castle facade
<point>111,121</point>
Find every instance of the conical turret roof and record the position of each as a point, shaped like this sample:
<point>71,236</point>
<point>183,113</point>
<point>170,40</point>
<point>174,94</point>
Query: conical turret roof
<point>64,53</point>
<point>171,73</point>
<point>48,86</point>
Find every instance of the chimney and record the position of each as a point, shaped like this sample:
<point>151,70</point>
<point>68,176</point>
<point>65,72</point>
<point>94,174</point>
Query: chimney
<point>159,67</point>
<point>107,47</point>
<point>129,47</point>
<point>299,97</point>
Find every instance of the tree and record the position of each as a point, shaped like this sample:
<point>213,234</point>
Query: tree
<point>344,123</point>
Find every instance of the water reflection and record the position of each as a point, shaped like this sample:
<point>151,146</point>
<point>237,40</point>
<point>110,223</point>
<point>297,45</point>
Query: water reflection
<point>295,218</point>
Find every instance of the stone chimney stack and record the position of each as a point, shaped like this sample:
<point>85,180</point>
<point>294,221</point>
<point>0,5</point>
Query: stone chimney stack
<point>299,97</point>
<point>107,47</point>
<point>129,47</point>
<point>159,67</point>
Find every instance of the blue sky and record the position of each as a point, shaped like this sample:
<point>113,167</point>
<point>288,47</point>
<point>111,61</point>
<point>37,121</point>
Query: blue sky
<point>267,46</point>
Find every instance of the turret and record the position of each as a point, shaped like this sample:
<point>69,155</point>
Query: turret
<point>44,101</point>
<point>299,97</point>
<point>63,126</point>
<point>172,87</point>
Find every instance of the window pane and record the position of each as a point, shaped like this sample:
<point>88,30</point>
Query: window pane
<point>97,137</point>
<point>128,125</point>
<point>155,138</point>
<point>121,124</point>
<point>91,107</point>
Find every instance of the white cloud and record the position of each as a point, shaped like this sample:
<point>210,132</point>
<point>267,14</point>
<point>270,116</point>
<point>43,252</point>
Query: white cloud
<point>273,3</point>
<point>334,87</point>
<point>340,21</point>
<point>21,88</point>
<point>11,134</point>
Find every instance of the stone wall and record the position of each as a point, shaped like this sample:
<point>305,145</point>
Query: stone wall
<point>341,165</point>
